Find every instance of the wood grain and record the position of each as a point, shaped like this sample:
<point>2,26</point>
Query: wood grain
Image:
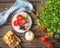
<point>6,6</point>
<point>2,43</point>
<point>6,28</point>
<point>35,44</point>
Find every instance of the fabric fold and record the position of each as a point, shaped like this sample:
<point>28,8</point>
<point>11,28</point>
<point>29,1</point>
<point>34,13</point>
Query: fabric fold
<point>18,6</point>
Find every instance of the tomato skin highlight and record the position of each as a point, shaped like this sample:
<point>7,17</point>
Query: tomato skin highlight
<point>16,23</point>
<point>44,39</point>
<point>20,17</point>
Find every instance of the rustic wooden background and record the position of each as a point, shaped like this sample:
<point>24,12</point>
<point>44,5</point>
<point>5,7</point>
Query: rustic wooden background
<point>37,43</point>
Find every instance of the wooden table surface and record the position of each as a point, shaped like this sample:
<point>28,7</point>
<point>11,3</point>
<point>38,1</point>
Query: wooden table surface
<point>6,4</point>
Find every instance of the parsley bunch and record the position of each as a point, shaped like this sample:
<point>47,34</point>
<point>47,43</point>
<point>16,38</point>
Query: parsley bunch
<point>50,15</point>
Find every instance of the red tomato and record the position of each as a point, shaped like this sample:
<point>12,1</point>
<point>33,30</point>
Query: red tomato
<point>20,22</point>
<point>23,21</point>
<point>49,45</point>
<point>16,23</point>
<point>20,17</point>
<point>44,39</point>
<point>43,29</point>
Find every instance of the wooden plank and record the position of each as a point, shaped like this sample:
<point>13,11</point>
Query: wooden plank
<point>6,28</point>
<point>2,43</point>
<point>8,1</point>
<point>35,44</point>
<point>6,6</point>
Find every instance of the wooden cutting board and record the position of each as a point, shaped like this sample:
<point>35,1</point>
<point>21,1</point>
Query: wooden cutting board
<point>11,39</point>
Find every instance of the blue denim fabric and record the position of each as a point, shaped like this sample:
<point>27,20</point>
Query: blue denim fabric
<point>18,6</point>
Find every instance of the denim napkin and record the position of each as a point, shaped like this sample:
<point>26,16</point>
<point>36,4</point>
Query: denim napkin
<point>18,6</point>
